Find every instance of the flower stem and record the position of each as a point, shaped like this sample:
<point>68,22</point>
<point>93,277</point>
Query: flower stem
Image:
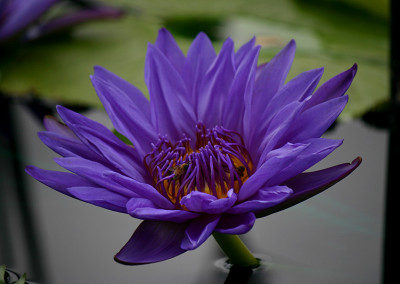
<point>236,250</point>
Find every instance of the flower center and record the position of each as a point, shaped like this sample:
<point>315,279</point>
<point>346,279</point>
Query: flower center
<point>218,162</point>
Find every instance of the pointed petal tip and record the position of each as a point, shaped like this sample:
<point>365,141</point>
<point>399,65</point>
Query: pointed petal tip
<point>354,69</point>
<point>357,161</point>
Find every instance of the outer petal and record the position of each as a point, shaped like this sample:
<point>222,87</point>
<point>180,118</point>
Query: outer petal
<point>199,230</point>
<point>68,147</point>
<point>100,197</point>
<point>216,85</point>
<point>20,13</point>
<point>276,132</point>
<point>297,89</point>
<point>114,151</point>
<point>307,185</point>
<point>142,189</point>
<point>243,51</point>
<point>53,125</point>
<point>167,45</point>
<point>317,150</point>
<point>197,201</point>
<point>333,88</point>
<point>200,56</point>
<point>131,94</point>
<point>236,224</point>
<point>171,111</point>
<point>263,199</point>
<point>271,78</point>
<point>73,18</point>
<point>146,210</point>
<point>313,122</point>
<point>93,172</point>
<point>153,241</point>
<point>276,161</point>
<point>130,118</point>
<point>242,84</point>
<point>59,181</point>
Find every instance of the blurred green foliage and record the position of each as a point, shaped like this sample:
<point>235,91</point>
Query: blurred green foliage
<point>330,33</point>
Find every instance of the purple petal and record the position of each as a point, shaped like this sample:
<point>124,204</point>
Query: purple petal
<point>167,45</point>
<point>59,181</point>
<point>200,56</point>
<point>296,89</point>
<point>263,199</point>
<point>313,122</point>
<point>100,197</point>
<point>114,151</point>
<point>243,51</point>
<point>67,147</point>
<point>333,88</point>
<point>276,161</point>
<point>275,131</point>
<point>216,85</point>
<point>242,84</point>
<point>199,230</point>
<point>130,94</point>
<point>21,13</point>
<point>153,241</point>
<point>197,201</point>
<point>66,21</point>
<point>127,108</point>
<point>307,185</point>
<point>53,125</point>
<point>317,150</point>
<point>142,189</point>
<point>236,224</point>
<point>271,78</point>
<point>144,209</point>
<point>172,113</point>
<point>94,172</point>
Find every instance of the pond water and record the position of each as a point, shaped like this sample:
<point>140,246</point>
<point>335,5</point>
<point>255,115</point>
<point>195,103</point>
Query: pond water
<point>335,237</point>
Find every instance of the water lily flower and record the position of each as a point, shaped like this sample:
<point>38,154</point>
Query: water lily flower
<point>220,143</point>
<point>21,16</point>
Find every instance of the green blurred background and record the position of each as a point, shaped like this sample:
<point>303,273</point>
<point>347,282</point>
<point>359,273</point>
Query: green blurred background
<point>330,33</point>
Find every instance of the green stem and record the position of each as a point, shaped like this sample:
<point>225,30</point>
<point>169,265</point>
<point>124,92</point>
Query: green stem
<point>236,250</point>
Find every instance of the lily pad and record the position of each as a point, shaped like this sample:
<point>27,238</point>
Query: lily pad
<point>333,36</point>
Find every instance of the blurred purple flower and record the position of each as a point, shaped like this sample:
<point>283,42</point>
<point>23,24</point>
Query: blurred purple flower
<point>19,16</point>
<point>220,143</point>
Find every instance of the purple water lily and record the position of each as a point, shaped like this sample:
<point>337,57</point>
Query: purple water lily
<point>220,143</point>
<point>18,16</point>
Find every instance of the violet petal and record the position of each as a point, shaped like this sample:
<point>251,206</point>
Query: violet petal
<point>171,111</point>
<point>199,230</point>
<point>236,224</point>
<point>276,161</point>
<point>153,241</point>
<point>145,209</point>
<point>197,201</point>
<point>93,172</point>
<point>307,185</point>
<point>59,181</point>
<point>166,43</point>
<point>142,189</point>
<point>127,116</point>
<point>216,85</point>
<point>333,88</point>
<point>100,197</point>
<point>317,150</point>
<point>263,199</point>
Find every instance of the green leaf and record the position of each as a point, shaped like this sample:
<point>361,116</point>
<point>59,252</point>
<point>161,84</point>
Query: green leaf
<point>22,279</point>
<point>329,33</point>
<point>2,274</point>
